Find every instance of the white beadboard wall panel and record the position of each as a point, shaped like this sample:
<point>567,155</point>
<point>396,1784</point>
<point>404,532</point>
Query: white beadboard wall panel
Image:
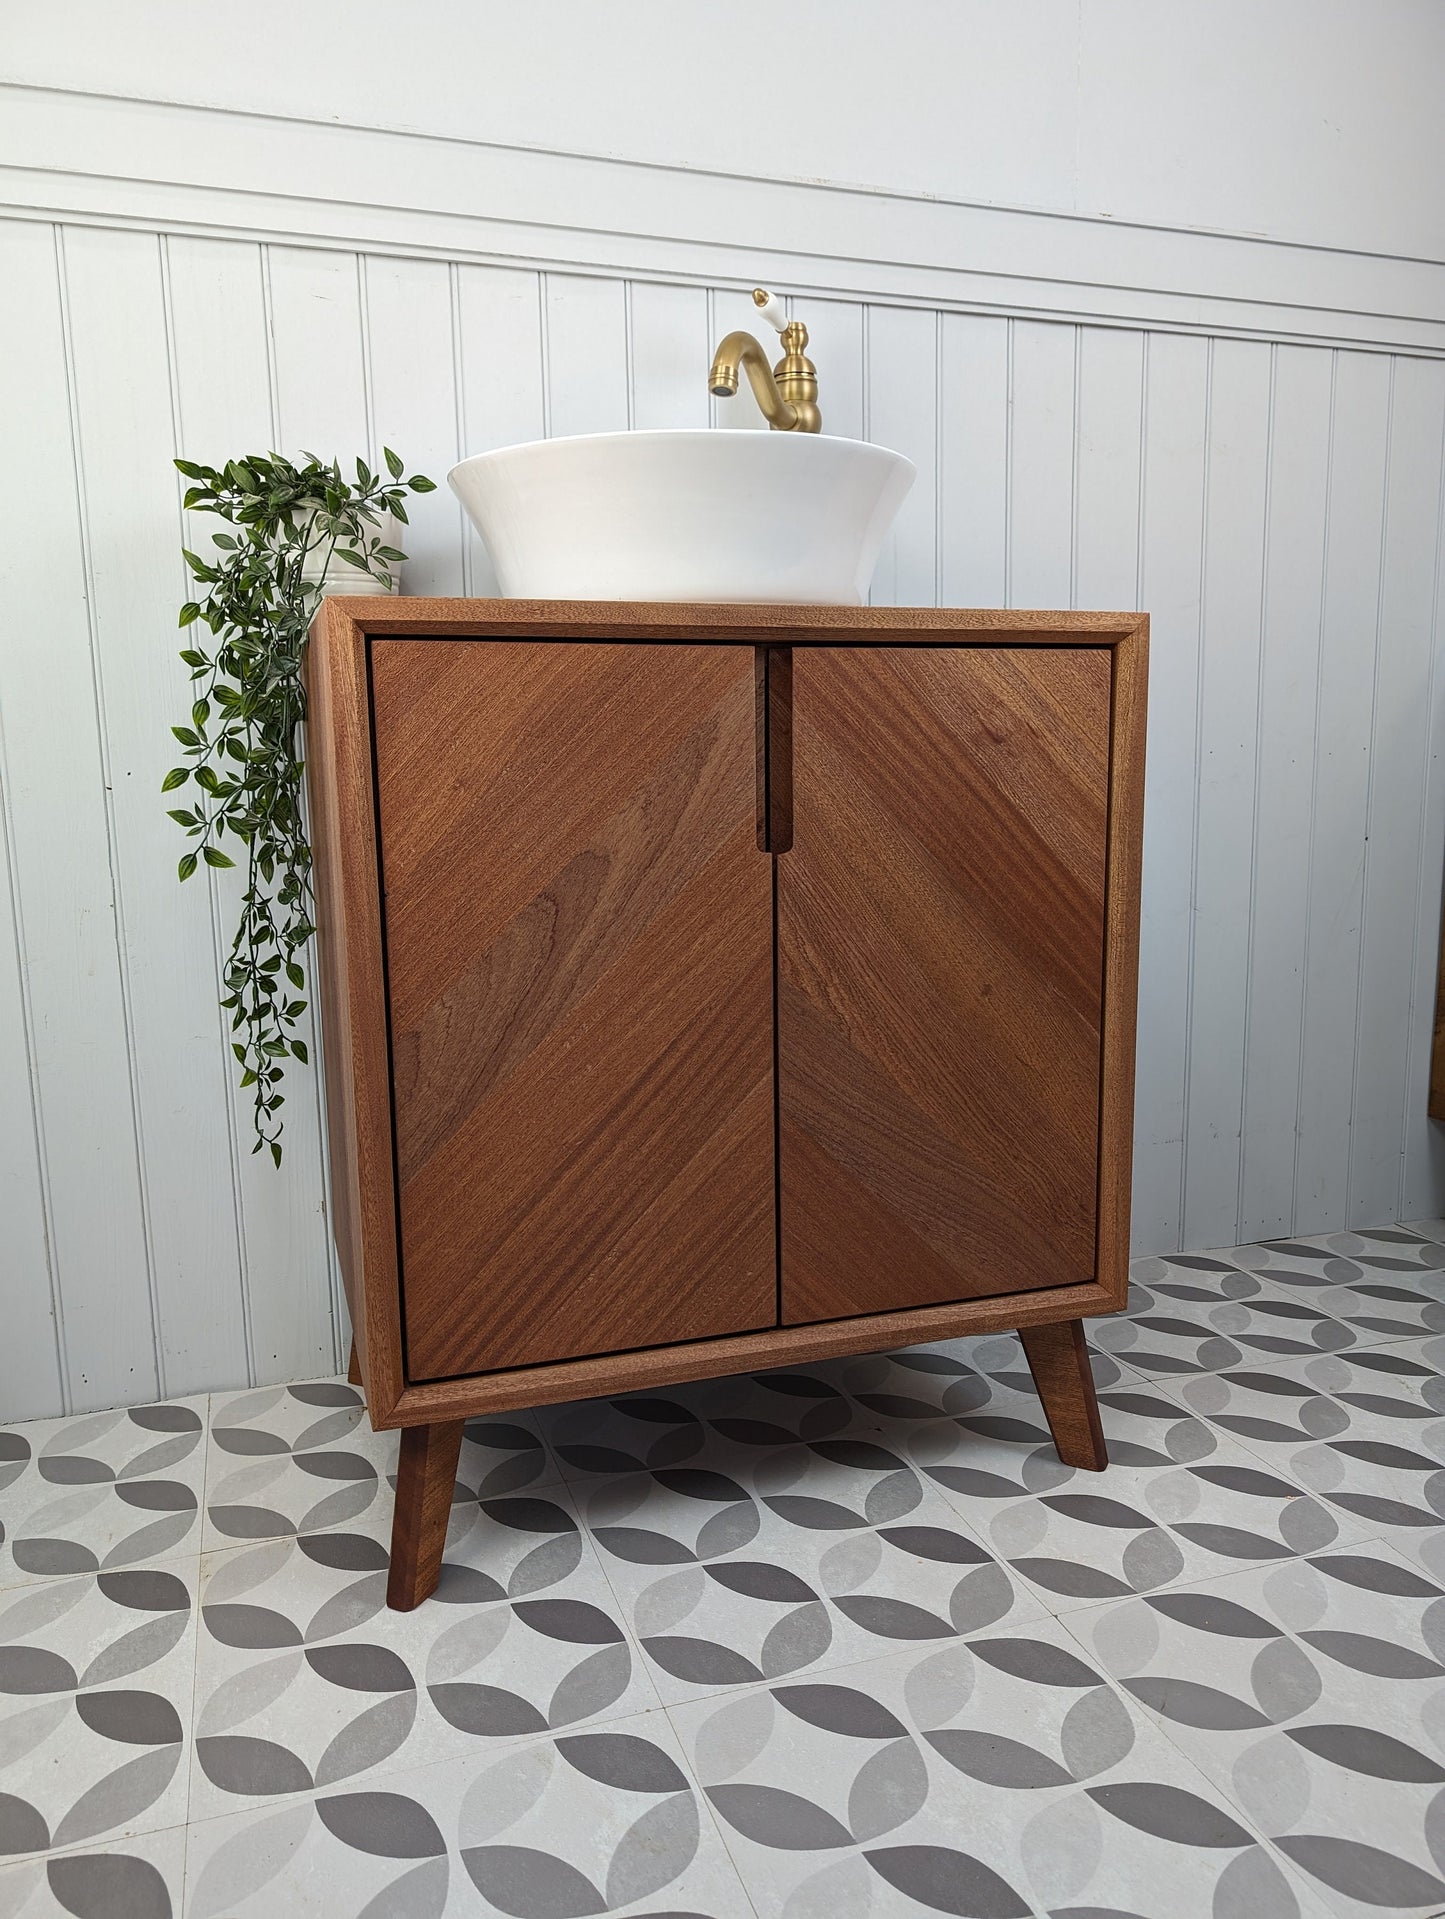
<point>1108,468</point>
<point>1294,536</point>
<point>1043,392</point>
<point>901,401</point>
<point>1393,829</point>
<point>668,349</point>
<point>1275,507</point>
<point>1349,641</point>
<point>835,337</point>
<point>26,1278</point>
<point>973,465</point>
<point>1227,725</point>
<point>225,403</point>
<point>62,841</point>
<point>1424,1167</point>
<point>411,367</point>
<point>1176,436</point>
<point>584,333</point>
<point>119,337</point>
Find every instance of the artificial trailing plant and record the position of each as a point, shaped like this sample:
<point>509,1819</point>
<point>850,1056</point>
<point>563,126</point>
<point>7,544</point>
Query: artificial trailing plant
<point>262,590</point>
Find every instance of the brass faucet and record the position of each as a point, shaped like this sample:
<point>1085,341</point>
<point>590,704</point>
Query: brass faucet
<point>788,394</point>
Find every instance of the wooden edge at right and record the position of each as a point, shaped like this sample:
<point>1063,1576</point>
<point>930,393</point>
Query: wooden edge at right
<point>1121,958</point>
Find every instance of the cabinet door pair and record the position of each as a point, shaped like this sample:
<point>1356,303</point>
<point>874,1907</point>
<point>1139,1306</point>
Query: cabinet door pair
<point>653,1082</point>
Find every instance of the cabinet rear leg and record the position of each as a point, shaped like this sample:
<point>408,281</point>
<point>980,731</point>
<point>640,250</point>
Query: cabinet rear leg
<point>1059,1361</point>
<point>426,1476</point>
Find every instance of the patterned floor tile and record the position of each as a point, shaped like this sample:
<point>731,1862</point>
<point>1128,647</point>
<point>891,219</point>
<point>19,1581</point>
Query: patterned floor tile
<point>588,1822</point>
<point>826,1554</point>
<point>1363,1430</point>
<point>1198,1313</point>
<point>1178,1501</point>
<point>101,1490</point>
<point>1384,1285</point>
<point>1306,1692</point>
<point>1001,1775</point>
<point>302,1459</point>
<point>96,1676</point>
<point>139,1878</point>
<point>304,1679</point>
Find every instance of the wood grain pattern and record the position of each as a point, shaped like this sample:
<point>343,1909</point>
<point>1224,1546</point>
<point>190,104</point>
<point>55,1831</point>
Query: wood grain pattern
<point>1058,1357</point>
<point>356,1036</point>
<point>940,975</point>
<point>580,983</point>
<point>426,1477</point>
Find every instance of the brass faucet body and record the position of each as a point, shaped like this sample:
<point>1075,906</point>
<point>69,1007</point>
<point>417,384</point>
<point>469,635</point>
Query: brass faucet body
<point>786,393</point>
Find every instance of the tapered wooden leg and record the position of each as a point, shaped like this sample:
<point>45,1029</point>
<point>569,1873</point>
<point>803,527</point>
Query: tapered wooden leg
<point>353,1367</point>
<point>426,1477</point>
<point>1059,1361</point>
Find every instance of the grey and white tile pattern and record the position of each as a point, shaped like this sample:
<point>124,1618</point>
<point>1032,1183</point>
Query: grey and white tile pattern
<point>831,1641</point>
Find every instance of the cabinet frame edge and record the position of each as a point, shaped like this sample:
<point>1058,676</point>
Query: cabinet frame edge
<point>351,972</point>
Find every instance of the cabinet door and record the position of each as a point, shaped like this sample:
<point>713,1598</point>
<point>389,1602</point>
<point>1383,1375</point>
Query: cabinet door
<point>579,978</point>
<point>940,962</point>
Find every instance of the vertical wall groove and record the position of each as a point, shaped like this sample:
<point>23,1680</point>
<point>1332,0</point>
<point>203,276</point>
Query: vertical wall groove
<point>219,943</point>
<point>1380,590</point>
<point>1259,760</point>
<point>1428,873</point>
<point>37,1126</point>
<point>117,899</point>
<point>1195,775</point>
<point>1315,766</point>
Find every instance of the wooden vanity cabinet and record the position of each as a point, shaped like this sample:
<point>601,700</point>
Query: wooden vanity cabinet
<point>707,988</point>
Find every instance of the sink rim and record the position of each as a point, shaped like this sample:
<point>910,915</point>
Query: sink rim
<point>682,432</point>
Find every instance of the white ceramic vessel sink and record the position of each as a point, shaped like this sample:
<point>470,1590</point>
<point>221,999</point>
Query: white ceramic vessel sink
<point>690,514</point>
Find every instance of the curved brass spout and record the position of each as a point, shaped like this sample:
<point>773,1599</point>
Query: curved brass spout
<point>788,392</point>
<point>741,350</point>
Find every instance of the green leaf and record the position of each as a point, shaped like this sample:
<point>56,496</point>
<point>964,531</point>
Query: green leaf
<point>200,712</point>
<point>419,483</point>
<point>295,975</point>
<point>276,1151</point>
<point>181,817</point>
<point>185,736</point>
<point>177,776</point>
<point>214,857</point>
<point>393,463</point>
<point>187,866</point>
<point>189,613</point>
<point>248,1078</point>
<point>351,559</point>
<point>298,1047</point>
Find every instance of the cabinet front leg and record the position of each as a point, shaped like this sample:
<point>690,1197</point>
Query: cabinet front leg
<point>426,1476</point>
<point>1059,1361</point>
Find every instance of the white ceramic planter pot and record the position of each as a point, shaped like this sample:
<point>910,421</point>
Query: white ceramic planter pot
<point>341,577</point>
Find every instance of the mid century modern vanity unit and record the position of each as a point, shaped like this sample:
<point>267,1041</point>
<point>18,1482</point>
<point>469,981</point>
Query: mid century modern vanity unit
<point>718,987</point>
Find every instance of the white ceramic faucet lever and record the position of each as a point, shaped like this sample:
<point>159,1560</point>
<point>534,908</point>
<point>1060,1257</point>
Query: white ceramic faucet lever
<point>770,307</point>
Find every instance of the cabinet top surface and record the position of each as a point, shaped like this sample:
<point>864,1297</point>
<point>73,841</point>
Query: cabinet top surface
<point>423,617</point>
